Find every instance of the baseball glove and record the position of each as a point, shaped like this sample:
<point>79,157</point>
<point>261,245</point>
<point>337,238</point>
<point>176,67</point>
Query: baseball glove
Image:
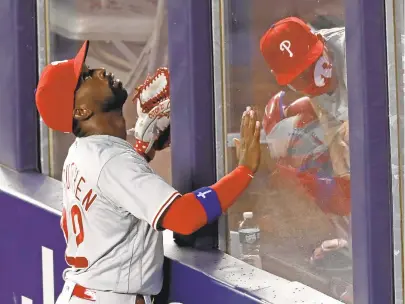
<point>152,100</point>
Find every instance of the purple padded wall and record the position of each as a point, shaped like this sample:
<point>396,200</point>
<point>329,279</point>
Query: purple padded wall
<point>192,109</point>
<point>192,114</point>
<point>24,230</point>
<point>18,61</point>
<point>370,152</point>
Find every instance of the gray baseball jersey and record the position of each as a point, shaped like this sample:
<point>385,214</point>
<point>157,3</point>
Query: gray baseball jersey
<point>112,202</point>
<point>336,104</point>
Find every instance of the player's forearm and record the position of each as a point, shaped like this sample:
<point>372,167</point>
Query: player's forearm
<point>192,211</point>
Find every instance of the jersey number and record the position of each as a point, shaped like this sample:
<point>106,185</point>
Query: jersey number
<point>77,224</point>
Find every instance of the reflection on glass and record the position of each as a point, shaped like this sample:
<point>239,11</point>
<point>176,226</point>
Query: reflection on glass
<point>290,62</point>
<point>128,38</point>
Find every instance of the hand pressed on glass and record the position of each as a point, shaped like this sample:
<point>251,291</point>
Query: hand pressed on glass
<point>248,147</point>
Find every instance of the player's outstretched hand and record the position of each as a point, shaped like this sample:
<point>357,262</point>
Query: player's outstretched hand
<point>248,147</point>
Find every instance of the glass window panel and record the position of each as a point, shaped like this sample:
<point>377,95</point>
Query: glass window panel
<point>300,195</point>
<point>128,38</point>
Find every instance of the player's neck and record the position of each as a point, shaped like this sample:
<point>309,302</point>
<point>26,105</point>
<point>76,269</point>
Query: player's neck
<point>110,123</point>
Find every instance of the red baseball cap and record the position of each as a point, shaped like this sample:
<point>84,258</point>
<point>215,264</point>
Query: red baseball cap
<point>55,92</point>
<point>289,48</point>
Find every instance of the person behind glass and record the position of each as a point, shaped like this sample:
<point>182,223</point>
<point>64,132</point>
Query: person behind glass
<point>312,63</point>
<point>114,205</point>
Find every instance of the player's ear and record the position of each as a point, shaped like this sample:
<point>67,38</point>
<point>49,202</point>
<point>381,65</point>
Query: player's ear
<point>81,113</point>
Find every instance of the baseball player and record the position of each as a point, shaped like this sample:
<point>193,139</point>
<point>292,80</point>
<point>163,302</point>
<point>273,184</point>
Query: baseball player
<point>312,63</point>
<point>114,205</point>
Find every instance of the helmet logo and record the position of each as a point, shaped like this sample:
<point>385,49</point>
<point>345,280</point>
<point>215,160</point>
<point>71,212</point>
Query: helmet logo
<point>286,46</point>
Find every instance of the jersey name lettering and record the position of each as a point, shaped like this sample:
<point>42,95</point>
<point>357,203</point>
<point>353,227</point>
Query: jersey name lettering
<point>76,183</point>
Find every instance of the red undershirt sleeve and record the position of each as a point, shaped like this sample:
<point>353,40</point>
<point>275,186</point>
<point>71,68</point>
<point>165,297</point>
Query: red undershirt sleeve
<point>193,210</point>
